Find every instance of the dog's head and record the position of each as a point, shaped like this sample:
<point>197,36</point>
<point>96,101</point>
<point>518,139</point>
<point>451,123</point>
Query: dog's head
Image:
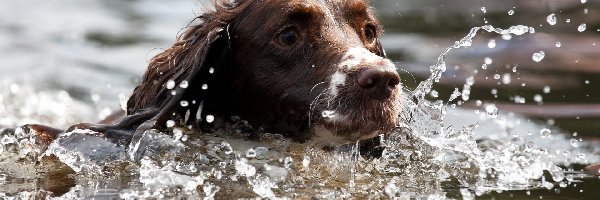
<point>293,67</point>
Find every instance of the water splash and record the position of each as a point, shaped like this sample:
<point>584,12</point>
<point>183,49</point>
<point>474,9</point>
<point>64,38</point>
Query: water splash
<point>491,165</point>
<point>23,104</point>
<point>440,67</point>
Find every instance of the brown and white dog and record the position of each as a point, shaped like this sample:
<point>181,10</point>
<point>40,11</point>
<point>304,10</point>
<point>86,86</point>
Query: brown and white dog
<point>301,68</point>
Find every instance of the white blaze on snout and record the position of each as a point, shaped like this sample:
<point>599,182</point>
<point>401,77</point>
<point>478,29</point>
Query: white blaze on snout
<point>338,79</point>
<point>353,61</point>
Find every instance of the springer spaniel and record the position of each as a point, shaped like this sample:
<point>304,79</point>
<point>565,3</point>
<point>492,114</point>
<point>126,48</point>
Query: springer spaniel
<point>301,68</point>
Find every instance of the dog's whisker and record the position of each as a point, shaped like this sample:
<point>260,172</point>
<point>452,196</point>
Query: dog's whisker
<point>315,86</point>
<point>409,73</point>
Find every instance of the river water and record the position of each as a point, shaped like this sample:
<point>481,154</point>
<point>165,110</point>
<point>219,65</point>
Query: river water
<point>463,65</point>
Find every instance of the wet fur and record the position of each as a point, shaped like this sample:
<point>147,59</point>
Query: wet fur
<point>229,49</point>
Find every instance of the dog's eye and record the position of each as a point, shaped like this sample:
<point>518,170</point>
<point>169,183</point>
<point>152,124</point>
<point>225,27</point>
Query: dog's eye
<point>288,37</point>
<point>370,34</point>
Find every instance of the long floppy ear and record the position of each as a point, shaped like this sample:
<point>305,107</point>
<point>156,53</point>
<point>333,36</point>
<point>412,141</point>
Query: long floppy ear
<point>178,71</point>
<point>175,80</point>
<point>171,76</point>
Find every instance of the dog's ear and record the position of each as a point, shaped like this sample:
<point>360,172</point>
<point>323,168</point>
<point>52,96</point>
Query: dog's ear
<point>175,77</point>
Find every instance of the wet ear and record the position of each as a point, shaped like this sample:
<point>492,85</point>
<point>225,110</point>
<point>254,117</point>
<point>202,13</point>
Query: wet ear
<point>191,88</point>
<point>176,75</point>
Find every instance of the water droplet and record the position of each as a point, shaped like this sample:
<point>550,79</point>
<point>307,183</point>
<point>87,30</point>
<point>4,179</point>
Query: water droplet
<point>204,86</point>
<point>177,134</point>
<point>305,161</point>
<point>545,133</point>
<point>558,44</point>
<point>563,184</point>
<point>538,98</point>
<point>210,118</point>
<point>587,82</point>
<point>287,162</point>
<point>496,76</point>
<point>551,19</point>
<point>251,153</point>
<point>574,142</point>
<point>494,91</point>
<point>582,27</point>
<point>211,70</point>
<point>170,84</point>
<point>184,103</point>
<point>537,57</point>
<point>483,9</point>
<point>547,89</point>
<point>484,66</point>
<point>492,44</point>
<point>583,1</point>
<point>184,84</point>
<point>506,79</point>
<point>470,80</point>
<point>520,99</point>
<point>491,110</point>
<point>511,12</point>
<point>506,36</point>
<point>226,147</point>
<point>170,123</point>
<point>434,94</point>
<point>454,95</point>
<point>466,92</point>
<point>328,113</point>
<point>95,98</point>
<point>568,20</point>
<point>488,60</point>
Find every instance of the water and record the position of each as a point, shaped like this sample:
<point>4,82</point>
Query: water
<point>439,151</point>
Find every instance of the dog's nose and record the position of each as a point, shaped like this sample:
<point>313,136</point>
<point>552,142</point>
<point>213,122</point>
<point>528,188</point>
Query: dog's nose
<point>378,83</point>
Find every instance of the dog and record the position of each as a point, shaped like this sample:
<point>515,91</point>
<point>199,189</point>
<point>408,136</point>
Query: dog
<point>300,68</point>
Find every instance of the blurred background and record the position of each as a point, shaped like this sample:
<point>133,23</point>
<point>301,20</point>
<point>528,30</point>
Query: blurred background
<point>90,54</point>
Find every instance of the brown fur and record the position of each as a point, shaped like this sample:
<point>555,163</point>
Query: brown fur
<point>254,78</point>
<point>236,50</point>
